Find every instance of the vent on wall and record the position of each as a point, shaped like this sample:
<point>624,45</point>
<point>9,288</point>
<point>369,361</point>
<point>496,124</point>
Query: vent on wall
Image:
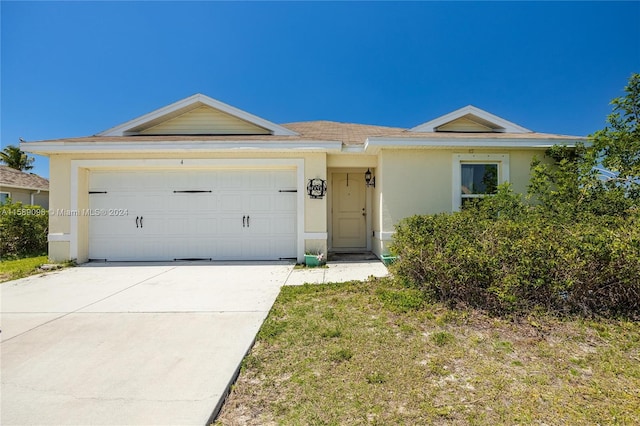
<point>469,124</point>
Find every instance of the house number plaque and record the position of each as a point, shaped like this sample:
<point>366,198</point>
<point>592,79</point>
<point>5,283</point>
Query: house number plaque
<point>317,188</point>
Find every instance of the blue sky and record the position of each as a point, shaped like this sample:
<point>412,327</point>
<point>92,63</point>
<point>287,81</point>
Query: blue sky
<point>77,68</point>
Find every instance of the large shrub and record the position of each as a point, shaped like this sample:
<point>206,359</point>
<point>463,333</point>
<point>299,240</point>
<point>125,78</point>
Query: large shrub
<point>505,257</point>
<point>572,246</point>
<point>23,230</point>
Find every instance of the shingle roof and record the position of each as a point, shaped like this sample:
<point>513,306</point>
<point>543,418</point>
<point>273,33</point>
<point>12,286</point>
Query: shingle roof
<point>16,179</point>
<point>357,134</point>
<point>347,133</point>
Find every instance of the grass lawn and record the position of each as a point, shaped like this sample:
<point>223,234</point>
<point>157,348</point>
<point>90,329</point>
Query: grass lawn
<point>375,353</point>
<point>14,269</point>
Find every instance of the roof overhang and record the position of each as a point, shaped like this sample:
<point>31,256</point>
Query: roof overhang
<point>375,144</point>
<point>4,186</point>
<point>124,147</point>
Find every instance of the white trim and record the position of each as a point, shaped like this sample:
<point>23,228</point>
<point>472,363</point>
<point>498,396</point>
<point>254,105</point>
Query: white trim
<point>143,146</point>
<point>198,98</point>
<point>504,125</point>
<point>503,172</point>
<point>59,236</point>
<point>225,163</point>
<point>374,144</point>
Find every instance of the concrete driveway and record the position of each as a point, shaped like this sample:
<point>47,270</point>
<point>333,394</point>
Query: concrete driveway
<point>129,343</point>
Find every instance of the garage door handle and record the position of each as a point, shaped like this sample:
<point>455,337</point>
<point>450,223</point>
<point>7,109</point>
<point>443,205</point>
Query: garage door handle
<point>244,218</point>
<point>137,218</point>
<point>140,221</point>
<point>247,221</point>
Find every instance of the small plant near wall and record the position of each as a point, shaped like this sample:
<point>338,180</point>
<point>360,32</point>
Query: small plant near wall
<point>314,259</point>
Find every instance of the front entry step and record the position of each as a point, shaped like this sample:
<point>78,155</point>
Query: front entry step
<point>351,256</point>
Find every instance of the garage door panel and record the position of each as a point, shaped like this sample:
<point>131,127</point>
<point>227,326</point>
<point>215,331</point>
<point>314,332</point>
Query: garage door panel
<point>231,179</point>
<point>284,246</point>
<point>256,249</point>
<point>284,179</point>
<point>228,249</point>
<point>257,181</point>
<point>229,225</point>
<point>194,202</point>
<point>109,226</point>
<point>179,225</point>
<point>259,225</point>
<point>285,225</point>
<point>193,248</point>
<point>258,203</point>
<point>230,202</point>
<point>152,226</point>
<point>151,180</point>
<point>285,202</point>
<point>204,226</point>
<point>198,179</point>
<point>148,249</point>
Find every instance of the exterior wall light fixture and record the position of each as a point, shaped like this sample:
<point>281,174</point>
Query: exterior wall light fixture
<point>369,179</point>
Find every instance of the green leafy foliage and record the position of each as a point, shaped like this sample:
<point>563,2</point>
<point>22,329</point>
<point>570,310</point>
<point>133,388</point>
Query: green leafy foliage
<point>13,157</point>
<point>572,244</point>
<point>618,144</point>
<point>23,230</point>
<point>508,264</point>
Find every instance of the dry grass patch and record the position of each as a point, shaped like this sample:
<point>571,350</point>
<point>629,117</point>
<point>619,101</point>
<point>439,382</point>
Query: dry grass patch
<point>375,353</point>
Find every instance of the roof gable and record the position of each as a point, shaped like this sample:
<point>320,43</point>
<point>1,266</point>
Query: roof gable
<point>470,119</point>
<point>197,114</point>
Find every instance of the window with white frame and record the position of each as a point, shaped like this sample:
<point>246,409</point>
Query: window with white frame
<point>477,175</point>
<point>4,196</point>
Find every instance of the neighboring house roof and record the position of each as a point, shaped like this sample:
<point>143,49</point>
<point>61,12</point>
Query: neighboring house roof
<point>202,123</point>
<point>12,178</point>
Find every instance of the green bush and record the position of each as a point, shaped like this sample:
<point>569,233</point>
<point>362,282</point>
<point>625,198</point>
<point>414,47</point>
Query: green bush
<point>573,246</point>
<point>504,257</point>
<point>23,230</point>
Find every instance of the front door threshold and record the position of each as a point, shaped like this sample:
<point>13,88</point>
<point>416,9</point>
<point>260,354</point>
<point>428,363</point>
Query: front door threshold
<point>350,256</point>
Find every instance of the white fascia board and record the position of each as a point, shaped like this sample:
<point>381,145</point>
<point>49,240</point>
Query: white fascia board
<point>509,127</point>
<point>121,129</point>
<point>48,148</point>
<point>27,188</point>
<point>353,149</point>
<point>375,144</point>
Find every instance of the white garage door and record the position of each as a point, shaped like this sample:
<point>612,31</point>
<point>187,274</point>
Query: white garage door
<point>198,214</point>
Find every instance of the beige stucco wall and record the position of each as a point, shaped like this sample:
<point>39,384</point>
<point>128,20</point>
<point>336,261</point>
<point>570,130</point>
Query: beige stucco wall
<point>315,219</point>
<point>419,181</point>
<point>59,200</point>
<point>24,196</point>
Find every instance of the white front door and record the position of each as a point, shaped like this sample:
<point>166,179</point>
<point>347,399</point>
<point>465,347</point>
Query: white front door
<point>349,222</point>
<point>196,214</point>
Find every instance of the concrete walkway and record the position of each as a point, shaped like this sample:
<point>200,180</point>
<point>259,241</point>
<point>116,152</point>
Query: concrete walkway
<point>144,344</point>
<point>337,272</point>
